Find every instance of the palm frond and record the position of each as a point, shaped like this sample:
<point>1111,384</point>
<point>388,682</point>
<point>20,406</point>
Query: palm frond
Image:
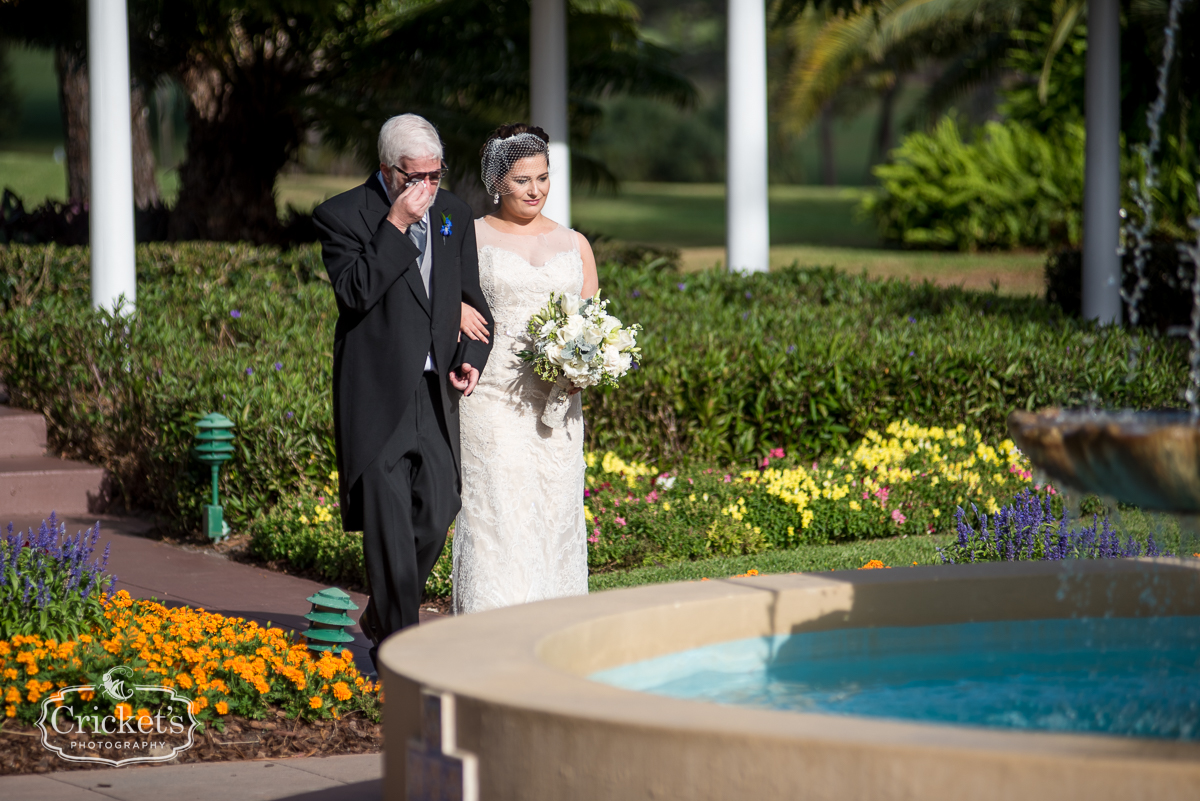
<point>1063,26</point>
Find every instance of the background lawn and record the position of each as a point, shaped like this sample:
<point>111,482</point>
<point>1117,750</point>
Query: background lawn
<point>897,552</point>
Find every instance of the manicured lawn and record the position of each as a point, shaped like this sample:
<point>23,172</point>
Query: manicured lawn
<point>693,215</point>
<point>32,176</point>
<point>897,552</point>
<point>1013,273</point>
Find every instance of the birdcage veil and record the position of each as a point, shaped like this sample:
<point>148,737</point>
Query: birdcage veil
<point>501,153</point>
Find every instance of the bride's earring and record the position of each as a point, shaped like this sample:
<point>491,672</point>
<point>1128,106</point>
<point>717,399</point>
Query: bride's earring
<point>496,199</point>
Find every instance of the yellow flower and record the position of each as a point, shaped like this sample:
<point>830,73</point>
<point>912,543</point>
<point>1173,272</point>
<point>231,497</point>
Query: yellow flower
<point>666,506</point>
<point>937,512</point>
<point>315,702</point>
<point>587,514</point>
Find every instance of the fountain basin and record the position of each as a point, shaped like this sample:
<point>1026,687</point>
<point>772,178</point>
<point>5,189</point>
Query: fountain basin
<point>517,703</point>
<point>1148,459</point>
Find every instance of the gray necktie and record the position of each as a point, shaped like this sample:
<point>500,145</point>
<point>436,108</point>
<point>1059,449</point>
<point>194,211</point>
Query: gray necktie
<point>418,235</point>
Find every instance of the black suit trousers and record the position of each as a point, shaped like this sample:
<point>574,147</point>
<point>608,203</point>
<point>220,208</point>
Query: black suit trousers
<point>410,495</point>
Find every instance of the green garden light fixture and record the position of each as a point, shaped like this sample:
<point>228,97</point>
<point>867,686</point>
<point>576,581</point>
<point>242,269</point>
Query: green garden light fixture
<point>214,444</point>
<point>328,620</point>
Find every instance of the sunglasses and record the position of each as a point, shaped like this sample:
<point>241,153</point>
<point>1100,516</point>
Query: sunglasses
<point>417,177</point>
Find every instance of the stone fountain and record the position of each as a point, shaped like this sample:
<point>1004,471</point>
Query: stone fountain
<point>1148,459</point>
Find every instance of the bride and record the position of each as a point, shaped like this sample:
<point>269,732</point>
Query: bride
<point>520,535</point>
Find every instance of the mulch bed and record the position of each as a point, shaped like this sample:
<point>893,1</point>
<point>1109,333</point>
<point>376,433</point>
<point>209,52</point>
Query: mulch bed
<point>21,749</point>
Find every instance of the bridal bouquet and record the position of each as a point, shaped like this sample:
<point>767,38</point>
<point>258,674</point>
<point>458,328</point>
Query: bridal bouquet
<point>577,343</point>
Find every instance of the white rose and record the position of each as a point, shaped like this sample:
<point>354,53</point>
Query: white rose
<point>593,335</point>
<point>553,353</point>
<point>609,324</point>
<point>547,328</point>
<point>574,370</point>
<point>621,340</point>
<point>570,303</point>
<point>615,362</point>
<point>571,329</point>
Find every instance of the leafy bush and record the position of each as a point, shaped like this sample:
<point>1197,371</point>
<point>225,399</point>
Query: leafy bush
<point>733,366</point>
<point>903,482</point>
<point>226,665</point>
<point>1009,187</point>
<point>49,583</point>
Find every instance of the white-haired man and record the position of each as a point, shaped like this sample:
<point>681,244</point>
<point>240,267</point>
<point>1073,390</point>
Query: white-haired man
<point>401,256</point>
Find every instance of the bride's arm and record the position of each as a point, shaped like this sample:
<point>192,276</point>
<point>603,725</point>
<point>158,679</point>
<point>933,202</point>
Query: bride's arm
<point>591,281</point>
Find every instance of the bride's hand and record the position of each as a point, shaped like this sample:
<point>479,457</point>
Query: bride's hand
<point>473,324</point>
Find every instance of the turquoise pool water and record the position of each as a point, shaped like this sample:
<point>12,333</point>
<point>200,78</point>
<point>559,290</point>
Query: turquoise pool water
<point>1127,676</point>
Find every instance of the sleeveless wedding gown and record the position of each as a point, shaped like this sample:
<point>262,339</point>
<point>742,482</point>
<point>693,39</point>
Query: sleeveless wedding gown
<point>521,534</point>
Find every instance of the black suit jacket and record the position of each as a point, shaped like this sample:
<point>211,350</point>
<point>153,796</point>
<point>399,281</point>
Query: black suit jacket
<point>387,324</point>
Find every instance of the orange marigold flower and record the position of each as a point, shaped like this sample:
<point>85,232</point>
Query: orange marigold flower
<point>341,691</point>
<point>222,708</point>
<point>10,711</point>
<point>315,702</point>
<point>13,696</point>
<point>124,711</point>
<point>874,564</point>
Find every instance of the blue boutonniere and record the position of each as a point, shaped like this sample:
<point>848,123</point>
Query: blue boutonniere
<point>447,225</point>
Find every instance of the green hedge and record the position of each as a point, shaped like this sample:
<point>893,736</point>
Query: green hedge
<point>805,359</point>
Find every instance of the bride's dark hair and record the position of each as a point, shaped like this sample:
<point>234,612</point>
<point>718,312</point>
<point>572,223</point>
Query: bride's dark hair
<point>507,145</point>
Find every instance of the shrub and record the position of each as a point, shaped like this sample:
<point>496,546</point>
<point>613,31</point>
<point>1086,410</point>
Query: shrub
<point>903,482</point>
<point>226,665</point>
<point>49,582</point>
<point>806,359</point>
<point>1009,187</point>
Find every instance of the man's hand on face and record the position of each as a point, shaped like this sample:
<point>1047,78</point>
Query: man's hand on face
<point>412,201</point>
<point>464,379</point>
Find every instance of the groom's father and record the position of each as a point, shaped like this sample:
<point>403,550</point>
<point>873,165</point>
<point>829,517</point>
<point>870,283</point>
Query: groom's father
<point>401,257</point>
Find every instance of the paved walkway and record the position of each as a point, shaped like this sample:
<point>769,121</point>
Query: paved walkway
<point>177,575</point>
<point>338,778</point>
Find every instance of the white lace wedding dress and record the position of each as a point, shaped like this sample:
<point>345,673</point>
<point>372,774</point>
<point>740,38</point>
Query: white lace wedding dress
<point>521,534</point>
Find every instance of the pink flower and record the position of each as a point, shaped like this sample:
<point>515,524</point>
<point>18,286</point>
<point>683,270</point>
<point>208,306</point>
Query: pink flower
<point>777,453</point>
<point>814,466</point>
<point>587,493</point>
<point>766,462</point>
<point>1051,490</point>
<point>898,517</point>
<point>690,481</point>
<point>616,502</point>
<point>728,479</point>
<point>321,499</point>
<point>652,497</point>
<point>620,521</point>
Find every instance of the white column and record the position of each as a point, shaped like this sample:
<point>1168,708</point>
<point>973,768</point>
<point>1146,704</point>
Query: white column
<point>1102,170</point>
<point>548,98</point>
<point>111,208</point>
<point>747,235</point>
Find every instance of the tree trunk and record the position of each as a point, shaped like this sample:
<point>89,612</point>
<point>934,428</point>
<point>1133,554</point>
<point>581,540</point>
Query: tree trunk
<point>828,165</point>
<point>240,135</point>
<point>73,103</point>
<point>884,132</point>
<point>145,186</point>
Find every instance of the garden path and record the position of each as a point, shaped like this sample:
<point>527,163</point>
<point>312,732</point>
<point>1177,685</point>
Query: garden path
<point>339,778</point>
<point>181,575</point>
